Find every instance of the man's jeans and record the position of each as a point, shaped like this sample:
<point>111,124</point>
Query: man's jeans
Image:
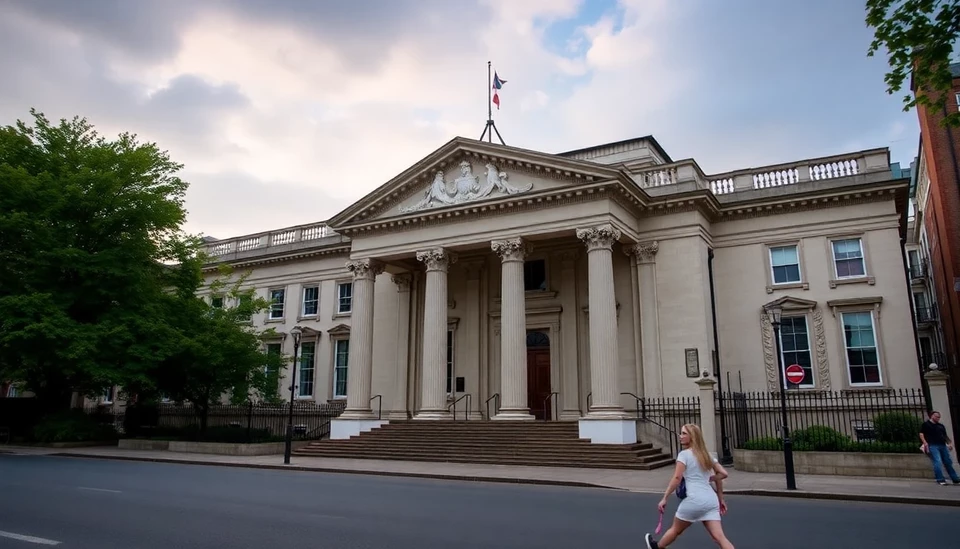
<point>941,456</point>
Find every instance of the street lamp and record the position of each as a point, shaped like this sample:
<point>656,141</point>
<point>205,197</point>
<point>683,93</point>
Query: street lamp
<point>295,332</point>
<point>774,314</point>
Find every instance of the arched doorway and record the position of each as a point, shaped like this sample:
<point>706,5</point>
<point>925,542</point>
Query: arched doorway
<point>538,375</point>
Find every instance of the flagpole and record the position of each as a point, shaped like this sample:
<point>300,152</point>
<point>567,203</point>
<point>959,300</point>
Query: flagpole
<point>489,103</point>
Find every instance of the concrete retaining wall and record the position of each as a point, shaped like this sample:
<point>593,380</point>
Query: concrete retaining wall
<point>836,463</point>
<point>218,448</point>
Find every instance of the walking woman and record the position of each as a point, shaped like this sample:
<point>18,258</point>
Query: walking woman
<point>697,469</point>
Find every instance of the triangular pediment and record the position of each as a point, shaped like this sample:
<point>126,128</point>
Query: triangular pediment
<point>465,172</point>
<point>339,330</point>
<point>789,303</point>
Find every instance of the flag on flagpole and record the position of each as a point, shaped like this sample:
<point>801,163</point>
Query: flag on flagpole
<point>497,84</point>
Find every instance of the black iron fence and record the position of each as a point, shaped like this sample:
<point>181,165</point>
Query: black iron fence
<point>882,421</point>
<point>663,418</point>
<point>244,423</point>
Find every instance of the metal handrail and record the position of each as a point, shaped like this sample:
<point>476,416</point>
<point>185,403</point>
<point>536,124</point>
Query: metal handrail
<point>454,405</point>
<point>642,404</point>
<point>496,408</point>
<point>379,405</point>
<point>555,402</point>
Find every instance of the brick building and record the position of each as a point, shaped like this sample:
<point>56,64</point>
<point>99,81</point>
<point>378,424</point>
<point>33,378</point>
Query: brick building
<point>937,206</point>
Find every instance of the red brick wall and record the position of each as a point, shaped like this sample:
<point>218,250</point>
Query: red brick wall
<point>941,149</point>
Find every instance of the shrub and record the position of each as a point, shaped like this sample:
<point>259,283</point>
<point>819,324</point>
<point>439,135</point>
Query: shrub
<point>820,438</point>
<point>897,427</point>
<point>72,426</point>
<point>764,443</point>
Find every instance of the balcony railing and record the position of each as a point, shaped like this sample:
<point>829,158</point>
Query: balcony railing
<point>918,270</point>
<point>926,314</point>
<point>262,241</point>
<point>940,359</point>
<point>814,169</point>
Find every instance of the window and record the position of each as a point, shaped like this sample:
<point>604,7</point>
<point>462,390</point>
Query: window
<point>785,264</point>
<point>535,275</point>
<point>244,301</point>
<point>863,362</point>
<point>848,258</point>
<point>914,256</point>
<point>922,307</point>
<point>277,296</point>
<point>795,349</point>
<point>311,300</point>
<point>341,356</point>
<point>107,396</point>
<point>344,297</point>
<point>449,362</point>
<point>216,302</point>
<point>308,350</point>
<point>272,349</point>
<point>12,392</point>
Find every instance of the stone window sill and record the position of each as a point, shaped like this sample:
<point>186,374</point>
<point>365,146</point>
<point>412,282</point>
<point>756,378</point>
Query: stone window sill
<point>871,280</point>
<point>788,286</point>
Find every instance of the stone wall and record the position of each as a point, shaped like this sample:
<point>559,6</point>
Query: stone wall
<point>837,463</point>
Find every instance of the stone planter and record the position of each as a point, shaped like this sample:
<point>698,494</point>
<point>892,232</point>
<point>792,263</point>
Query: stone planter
<point>853,464</point>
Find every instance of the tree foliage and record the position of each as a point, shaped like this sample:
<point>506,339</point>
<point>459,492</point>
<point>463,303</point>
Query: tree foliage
<point>919,37</point>
<point>98,282</point>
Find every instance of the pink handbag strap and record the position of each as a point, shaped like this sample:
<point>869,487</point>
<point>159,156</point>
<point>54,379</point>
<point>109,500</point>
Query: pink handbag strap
<point>659,524</point>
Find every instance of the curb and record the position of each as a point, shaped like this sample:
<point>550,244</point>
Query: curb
<point>435,476</point>
<point>866,498</point>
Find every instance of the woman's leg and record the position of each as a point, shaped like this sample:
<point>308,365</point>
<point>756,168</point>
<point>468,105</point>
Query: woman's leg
<point>716,532</point>
<point>673,533</point>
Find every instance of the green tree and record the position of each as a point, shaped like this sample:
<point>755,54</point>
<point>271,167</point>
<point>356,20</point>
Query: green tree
<point>216,351</point>
<point>89,243</point>
<point>919,37</point>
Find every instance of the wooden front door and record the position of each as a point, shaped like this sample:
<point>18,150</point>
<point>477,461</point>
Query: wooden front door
<point>538,383</point>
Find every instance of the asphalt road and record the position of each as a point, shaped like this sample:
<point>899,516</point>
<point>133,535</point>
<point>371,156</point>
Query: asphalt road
<point>85,503</point>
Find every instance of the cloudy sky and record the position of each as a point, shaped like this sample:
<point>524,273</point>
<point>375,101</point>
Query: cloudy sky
<point>286,111</point>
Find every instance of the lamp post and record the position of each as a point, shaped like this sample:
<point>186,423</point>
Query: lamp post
<point>774,313</point>
<point>295,332</point>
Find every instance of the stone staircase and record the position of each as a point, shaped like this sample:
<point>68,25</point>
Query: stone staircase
<point>536,443</point>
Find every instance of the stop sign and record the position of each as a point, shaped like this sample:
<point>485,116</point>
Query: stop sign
<point>794,374</point>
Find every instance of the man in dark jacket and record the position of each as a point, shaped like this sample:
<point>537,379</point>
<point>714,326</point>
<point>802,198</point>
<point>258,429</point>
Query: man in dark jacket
<point>938,445</point>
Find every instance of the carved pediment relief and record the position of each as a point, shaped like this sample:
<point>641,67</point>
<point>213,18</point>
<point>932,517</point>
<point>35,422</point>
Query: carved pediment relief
<point>339,330</point>
<point>788,303</point>
<point>465,187</point>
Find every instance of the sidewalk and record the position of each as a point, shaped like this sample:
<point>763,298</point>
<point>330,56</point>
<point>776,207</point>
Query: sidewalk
<point>919,491</point>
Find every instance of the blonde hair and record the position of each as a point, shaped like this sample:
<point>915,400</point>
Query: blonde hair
<point>698,446</point>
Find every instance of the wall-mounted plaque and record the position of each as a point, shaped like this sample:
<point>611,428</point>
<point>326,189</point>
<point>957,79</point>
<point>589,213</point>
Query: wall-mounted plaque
<point>692,357</point>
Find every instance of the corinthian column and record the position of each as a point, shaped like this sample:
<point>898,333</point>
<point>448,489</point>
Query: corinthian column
<point>645,254</point>
<point>433,396</point>
<point>513,330</point>
<point>604,359</point>
<point>360,357</point>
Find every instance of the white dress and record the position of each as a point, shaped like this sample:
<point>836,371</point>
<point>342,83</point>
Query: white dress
<point>701,502</point>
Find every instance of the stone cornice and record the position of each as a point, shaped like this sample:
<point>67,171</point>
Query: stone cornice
<point>341,248</point>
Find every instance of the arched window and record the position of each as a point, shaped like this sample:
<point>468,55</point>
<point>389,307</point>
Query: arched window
<point>537,339</point>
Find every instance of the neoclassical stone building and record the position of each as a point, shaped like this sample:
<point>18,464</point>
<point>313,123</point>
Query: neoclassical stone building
<point>507,283</point>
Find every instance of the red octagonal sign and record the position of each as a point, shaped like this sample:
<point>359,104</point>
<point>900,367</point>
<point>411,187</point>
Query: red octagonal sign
<point>794,374</point>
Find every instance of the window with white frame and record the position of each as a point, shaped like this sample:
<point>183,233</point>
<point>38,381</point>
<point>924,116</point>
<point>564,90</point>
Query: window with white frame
<point>848,258</point>
<point>311,300</point>
<point>12,391</point>
<point>216,301</point>
<point>795,349</point>
<point>308,351</point>
<point>274,349</point>
<point>344,297</point>
<point>277,297</point>
<point>785,264</point>
<point>449,362</point>
<point>860,343</point>
<point>341,357</point>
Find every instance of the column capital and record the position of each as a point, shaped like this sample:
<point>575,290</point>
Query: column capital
<point>645,252</point>
<point>511,249</point>
<point>403,281</point>
<point>437,259</point>
<point>599,237</point>
<point>365,268</point>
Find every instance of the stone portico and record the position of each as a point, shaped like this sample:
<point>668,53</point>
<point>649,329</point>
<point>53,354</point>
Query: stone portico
<point>496,283</point>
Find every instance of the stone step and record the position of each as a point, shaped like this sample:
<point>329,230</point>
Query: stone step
<point>535,462</point>
<point>482,449</point>
<point>428,456</point>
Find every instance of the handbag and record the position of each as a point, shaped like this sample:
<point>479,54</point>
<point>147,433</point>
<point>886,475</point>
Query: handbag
<point>682,489</point>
